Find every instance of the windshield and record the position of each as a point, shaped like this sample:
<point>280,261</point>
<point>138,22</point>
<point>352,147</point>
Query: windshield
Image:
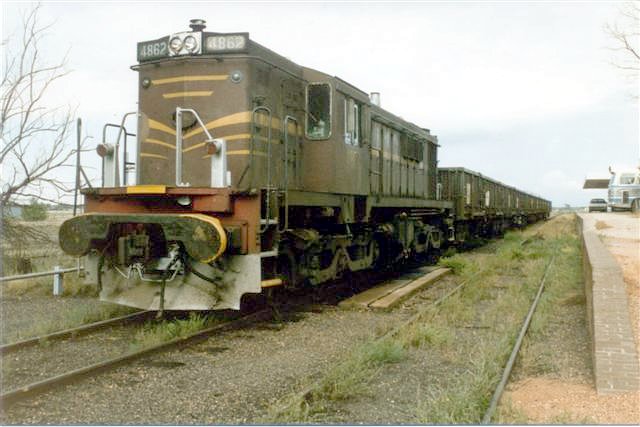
<point>318,111</point>
<point>627,178</point>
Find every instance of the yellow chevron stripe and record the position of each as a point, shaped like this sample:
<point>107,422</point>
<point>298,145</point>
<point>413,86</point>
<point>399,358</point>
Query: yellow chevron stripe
<point>240,153</point>
<point>231,119</point>
<point>158,142</point>
<point>187,94</point>
<point>154,156</point>
<point>239,136</point>
<point>181,79</point>
<point>153,124</point>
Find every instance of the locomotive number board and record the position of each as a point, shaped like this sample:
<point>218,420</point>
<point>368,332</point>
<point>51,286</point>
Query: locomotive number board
<point>153,49</point>
<point>212,43</point>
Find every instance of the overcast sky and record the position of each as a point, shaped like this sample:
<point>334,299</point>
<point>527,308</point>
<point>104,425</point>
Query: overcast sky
<point>522,92</point>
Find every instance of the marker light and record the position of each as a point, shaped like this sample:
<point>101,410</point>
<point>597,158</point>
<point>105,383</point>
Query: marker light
<point>104,150</point>
<point>190,43</point>
<point>175,44</point>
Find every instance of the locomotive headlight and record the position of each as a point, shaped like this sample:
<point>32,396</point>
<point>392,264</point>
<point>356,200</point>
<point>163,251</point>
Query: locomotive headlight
<point>190,43</point>
<point>184,201</point>
<point>175,44</point>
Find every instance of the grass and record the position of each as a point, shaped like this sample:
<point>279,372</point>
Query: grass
<point>457,263</point>
<point>465,400</point>
<point>153,333</point>
<point>507,413</point>
<point>345,380</point>
<point>566,418</point>
<point>421,334</point>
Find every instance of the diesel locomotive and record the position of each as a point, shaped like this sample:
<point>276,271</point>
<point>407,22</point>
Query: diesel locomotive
<point>252,172</point>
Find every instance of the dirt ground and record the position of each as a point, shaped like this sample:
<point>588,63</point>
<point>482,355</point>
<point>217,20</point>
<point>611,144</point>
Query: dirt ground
<point>573,399</point>
<point>551,401</point>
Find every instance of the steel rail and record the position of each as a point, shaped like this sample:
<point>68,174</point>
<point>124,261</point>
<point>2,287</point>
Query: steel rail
<point>497,394</point>
<point>21,393</point>
<point>7,348</point>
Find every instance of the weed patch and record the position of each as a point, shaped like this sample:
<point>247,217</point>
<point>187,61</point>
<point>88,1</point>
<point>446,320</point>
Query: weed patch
<point>154,333</point>
<point>347,379</point>
<point>457,263</point>
<point>418,335</point>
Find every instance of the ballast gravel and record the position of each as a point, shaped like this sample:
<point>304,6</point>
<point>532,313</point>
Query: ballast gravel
<point>26,313</point>
<point>228,379</point>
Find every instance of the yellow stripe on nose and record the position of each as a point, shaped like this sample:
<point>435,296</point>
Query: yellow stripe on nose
<point>182,79</point>
<point>240,153</point>
<point>153,156</point>
<point>154,124</point>
<point>158,142</point>
<point>187,94</point>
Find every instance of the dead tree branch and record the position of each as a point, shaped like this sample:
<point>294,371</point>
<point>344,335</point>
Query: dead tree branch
<point>35,135</point>
<point>626,35</point>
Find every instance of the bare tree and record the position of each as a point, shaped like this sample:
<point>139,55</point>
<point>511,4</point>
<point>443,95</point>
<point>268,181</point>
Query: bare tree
<point>626,34</point>
<point>35,135</point>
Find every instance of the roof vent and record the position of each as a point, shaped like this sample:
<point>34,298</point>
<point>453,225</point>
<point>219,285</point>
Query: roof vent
<point>198,24</point>
<point>375,98</point>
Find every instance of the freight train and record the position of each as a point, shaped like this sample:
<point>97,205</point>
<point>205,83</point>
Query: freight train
<point>254,172</point>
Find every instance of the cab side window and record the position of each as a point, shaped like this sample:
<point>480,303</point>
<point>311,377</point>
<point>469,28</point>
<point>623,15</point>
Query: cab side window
<point>351,122</point>
<point>318,117</point>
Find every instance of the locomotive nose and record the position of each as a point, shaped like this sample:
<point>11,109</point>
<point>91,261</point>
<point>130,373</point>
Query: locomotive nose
<point>203,237</point>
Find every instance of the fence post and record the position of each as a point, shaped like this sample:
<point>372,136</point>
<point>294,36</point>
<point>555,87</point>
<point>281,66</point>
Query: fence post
<point>58,281</point>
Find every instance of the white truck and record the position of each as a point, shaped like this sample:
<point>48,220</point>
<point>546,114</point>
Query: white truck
<point>623,188</point>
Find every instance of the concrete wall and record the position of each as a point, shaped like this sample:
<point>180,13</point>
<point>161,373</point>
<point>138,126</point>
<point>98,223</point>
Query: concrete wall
<point>615,360</point>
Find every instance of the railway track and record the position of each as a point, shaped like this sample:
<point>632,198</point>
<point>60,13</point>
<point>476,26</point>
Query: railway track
<point>436,295</point>
<point>40,382</point>
<point>506,373</point>
<point>74,332</point>
<point>26,390</point>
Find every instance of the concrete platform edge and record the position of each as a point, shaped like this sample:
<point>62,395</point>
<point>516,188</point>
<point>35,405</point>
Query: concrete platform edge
<point>615,360</point>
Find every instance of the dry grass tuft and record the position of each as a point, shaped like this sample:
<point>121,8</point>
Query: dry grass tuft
<point>601,225</point>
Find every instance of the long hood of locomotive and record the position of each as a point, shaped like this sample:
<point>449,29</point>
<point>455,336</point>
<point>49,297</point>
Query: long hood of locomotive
<point>220,100</point>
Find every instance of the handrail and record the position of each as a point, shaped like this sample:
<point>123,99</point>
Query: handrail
<point>252,155</point>
<point>39,274</point>
<point>104,141</point>
<point>179,112</point>
<point>285,131</point>
<point>124,157</point>
<point>121,129</point>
